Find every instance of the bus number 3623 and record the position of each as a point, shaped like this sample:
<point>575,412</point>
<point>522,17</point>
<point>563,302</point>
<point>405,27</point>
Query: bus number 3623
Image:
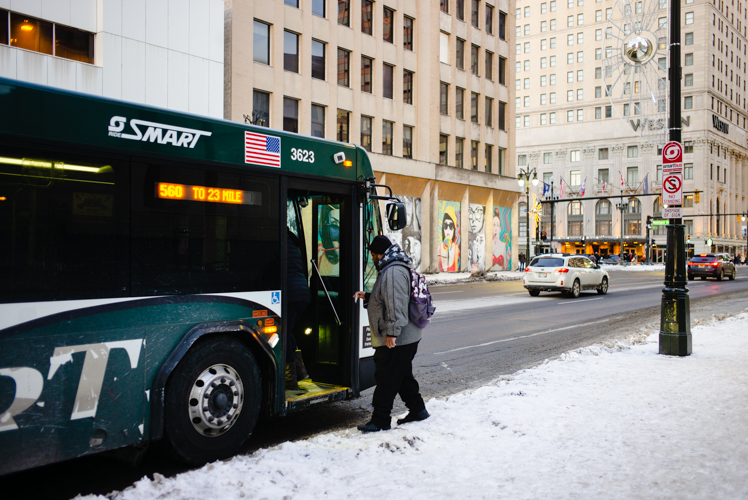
<point>302,155</point>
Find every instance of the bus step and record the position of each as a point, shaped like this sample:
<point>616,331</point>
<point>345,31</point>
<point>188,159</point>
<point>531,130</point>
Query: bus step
<point>314,392</point>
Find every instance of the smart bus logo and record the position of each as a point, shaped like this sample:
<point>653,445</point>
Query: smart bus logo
<point>156,132</point>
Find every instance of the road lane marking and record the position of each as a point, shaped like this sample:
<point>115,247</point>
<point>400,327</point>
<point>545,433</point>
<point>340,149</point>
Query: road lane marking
<point>455,291</point>
<point>524,336</point>
<point>578,301</point>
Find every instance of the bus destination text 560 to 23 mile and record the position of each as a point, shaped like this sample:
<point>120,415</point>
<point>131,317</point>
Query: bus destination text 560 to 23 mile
<point>171,191</point>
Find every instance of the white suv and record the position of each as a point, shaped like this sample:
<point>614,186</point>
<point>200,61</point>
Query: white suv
<point>564,273</point>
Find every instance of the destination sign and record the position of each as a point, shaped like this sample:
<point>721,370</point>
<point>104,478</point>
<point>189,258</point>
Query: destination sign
<point>170,191</point>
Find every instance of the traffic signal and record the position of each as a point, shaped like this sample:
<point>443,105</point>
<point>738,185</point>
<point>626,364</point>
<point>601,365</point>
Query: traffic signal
<point>738,218</point>
<point>688,237</point>
<point>543,236</point>
<point>653,241</point>
<point>697,196</point>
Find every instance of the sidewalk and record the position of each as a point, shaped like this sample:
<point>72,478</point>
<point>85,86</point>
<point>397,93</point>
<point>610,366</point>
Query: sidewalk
<point>615,422</point>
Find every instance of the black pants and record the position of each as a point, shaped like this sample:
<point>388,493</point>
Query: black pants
<point>394,375</point>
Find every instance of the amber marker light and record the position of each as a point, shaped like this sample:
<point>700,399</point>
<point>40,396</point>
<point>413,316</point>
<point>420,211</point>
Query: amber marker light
<point>3,198</point>
<point>348,163</point>
<point>270,329</point>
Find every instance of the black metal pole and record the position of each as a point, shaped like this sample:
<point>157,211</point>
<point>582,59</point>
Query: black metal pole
<point>675,309</point>
<point>553,217</point>
<point>527,212</point>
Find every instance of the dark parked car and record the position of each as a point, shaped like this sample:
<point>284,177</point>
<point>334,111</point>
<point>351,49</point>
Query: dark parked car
<point>610,259</point>
<point>711,265</point>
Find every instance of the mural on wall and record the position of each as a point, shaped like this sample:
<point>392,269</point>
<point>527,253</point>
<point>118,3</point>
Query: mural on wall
<point>477,237</point>
<point>449,236</point>
<point>409,238</point>
<point>502,239</point>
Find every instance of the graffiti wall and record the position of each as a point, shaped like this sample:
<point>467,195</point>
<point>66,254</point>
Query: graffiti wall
<point>449,236</point>
<point>477,237</point>
<point>409,238</point>
<point>502,239</point>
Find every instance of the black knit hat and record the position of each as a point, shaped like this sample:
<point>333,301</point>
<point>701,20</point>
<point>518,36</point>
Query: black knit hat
<point>380,244</point>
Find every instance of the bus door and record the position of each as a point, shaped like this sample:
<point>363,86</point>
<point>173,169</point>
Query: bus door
<point>321,221</point>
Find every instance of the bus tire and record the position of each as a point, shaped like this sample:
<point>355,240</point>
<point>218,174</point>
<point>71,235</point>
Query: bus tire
<point>212,401</point>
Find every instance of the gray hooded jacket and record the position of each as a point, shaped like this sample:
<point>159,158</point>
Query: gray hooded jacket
<point>389,299</point>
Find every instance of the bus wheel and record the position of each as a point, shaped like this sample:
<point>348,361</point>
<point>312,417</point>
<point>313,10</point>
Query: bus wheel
<point>212,401</point>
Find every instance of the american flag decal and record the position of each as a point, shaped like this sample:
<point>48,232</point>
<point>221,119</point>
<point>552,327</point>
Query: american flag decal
<point>262,149</point>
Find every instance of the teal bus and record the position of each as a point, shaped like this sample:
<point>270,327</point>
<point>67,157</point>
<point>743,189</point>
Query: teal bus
<point>143,262</point>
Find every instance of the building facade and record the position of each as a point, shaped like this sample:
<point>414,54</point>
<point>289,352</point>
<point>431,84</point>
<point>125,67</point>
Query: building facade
<point>568,128</point>
<point>165,53</point>
<point>422,85</point>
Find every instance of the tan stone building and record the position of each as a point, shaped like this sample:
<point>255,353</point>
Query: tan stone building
<point>567,126</point>
<point>421,84</point>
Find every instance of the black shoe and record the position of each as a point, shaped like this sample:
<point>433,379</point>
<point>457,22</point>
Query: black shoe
<point>372,427</point>
<point>414,417</point>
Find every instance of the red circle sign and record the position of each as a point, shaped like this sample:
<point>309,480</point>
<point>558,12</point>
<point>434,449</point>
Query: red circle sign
<point>672,152</point>
<point>671,184</point>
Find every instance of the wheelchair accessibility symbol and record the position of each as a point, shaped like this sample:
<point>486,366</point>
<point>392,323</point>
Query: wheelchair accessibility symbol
<point>275,298</point>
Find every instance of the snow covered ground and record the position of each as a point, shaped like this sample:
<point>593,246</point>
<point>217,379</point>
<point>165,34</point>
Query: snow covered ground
<point>453,278</point>
<point>611,421</point>
<point>634,267</point>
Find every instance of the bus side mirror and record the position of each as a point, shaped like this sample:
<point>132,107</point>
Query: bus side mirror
<point>396,217</point>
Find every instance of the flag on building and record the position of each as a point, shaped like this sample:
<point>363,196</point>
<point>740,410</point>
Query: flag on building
<point>262,149</point>
<point>546,189</point>
<point>646,183</point>
<point>561,188</point>
<point>622,183</point>
<point>584,183</point>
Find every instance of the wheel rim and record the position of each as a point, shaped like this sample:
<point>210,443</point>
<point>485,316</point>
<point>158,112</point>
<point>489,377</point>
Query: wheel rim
<point>575,288</point>
<point>605,286</point>
<point>215,400</point>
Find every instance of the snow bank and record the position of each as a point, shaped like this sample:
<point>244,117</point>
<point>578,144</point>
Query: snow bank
<point>453,278</point>
<point>634,267</point>
<point>614,421</point>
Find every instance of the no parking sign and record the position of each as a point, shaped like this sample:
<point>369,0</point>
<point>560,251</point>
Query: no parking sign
<point>672,174</point>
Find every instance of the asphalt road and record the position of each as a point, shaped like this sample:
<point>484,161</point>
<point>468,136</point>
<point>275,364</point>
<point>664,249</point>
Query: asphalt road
<point>480,332</point>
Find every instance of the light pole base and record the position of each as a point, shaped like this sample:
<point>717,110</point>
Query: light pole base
<point>675,316</point>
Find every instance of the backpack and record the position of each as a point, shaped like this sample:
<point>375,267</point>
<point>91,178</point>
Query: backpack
<point>420,307</point>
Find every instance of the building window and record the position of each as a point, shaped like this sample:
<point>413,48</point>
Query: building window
<point>460,53</point>
<point>460,103</point>
<point>489,112</point>
<point>632,152</point>
<point>387,82</point>
<point>290,115</point>
<point>474,107</point>
<point>261,108</point>
<point>688,171</point>
<point>460,9</point>
<point>34,34</point>
<point>689,17</point>
<point>318,60</point>
<point>260,43</point>
<point>688,102</point>
<point>443,149</point>
<point>407,87</point>
<point>367,20</point>
<point>387,137</point>
<point>366,133</point>
<point>489,65</point>
<point>366,74</point>
<point>598,113</point>
<point>575,155</point>
<point>632,176</point>
<point>689,80</point>
<point>502,25</point>
<point>688,147</point>
<point>407,142</point>
<point>543,119</point>
<point>502,70</point>
<point>474,154</point>
<point>318,121</point>
<point>444,6</point>
<point>608,111</point>
<point>475,14</point>
<point>344,66</point>
<point>602,154</point>
<point>489,19</point>
<point>292,3</point>
<point>344,12</point>
<point>474,60</point>
<point>580,115</point>
<point>521,160</point>
<point>318,8</point>
<point>408,33</point>
<point>459,151</point>
<point>388,25</point>
<point>488,159</point>
<point>343,123</point>
<point>444,98</point>
<point>689,38</point>
<point>502,116</point>
<point>688,60</point>
<point>527,47</point>
<point>552,118</point>
<point>290,51</point>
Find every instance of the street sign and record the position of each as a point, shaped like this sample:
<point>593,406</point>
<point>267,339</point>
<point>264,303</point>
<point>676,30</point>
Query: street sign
<point>672,188</point>
<point>672,213</point>
<point>660,222</point>
<point>672,152</point>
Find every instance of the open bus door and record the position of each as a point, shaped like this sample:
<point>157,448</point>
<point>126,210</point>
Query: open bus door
<point>321,219</point>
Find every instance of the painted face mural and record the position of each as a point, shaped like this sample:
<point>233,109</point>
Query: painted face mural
<point>477,237</point>
<point>409,238</point>
<point>502,239</point>
<point>449,236</point>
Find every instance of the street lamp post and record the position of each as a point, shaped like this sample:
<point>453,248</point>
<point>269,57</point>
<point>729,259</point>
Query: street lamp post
<point>524,181</point>
<point>622,206</point>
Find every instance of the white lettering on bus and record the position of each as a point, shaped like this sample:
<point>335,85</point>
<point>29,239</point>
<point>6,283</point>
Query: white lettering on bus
<point>29,382</point>
<point>176,136</point>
